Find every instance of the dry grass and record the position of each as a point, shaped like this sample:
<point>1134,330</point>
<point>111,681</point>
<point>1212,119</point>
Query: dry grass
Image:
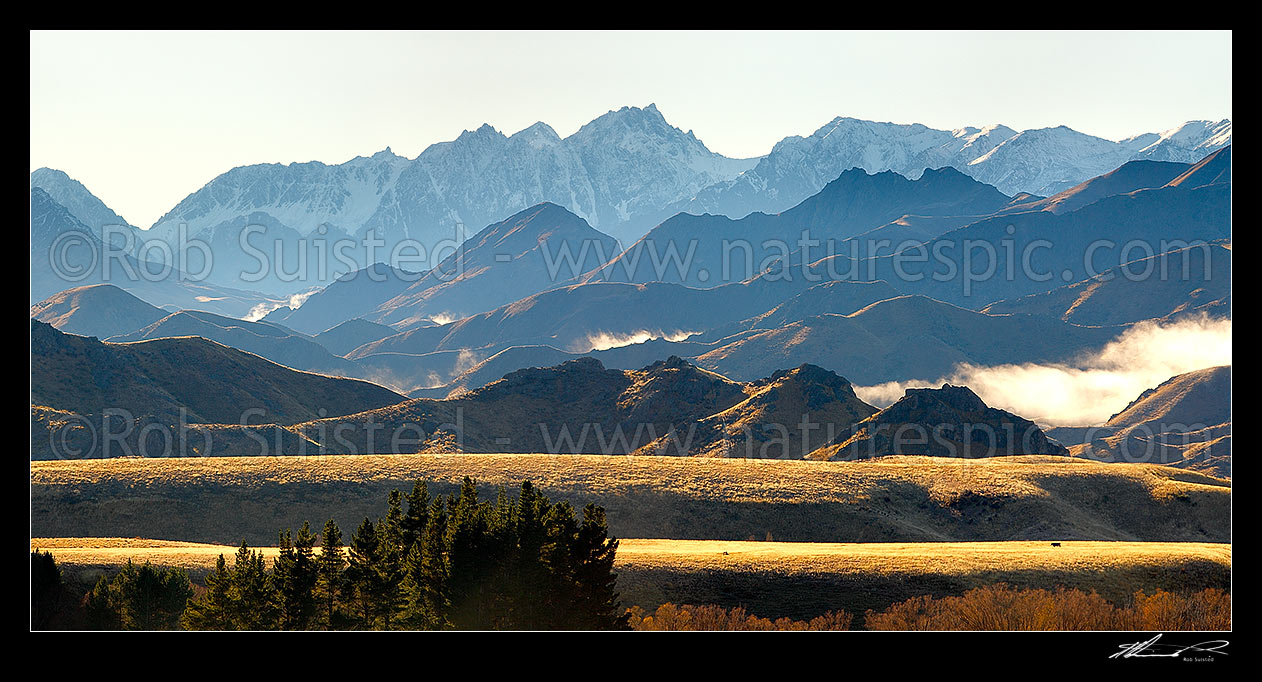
<point>225,500</point>
<point>800,580</point>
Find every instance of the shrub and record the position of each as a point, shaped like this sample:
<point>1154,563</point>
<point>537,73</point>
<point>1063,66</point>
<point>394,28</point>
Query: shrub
<point>710,618</point>
<point>1001,607</point>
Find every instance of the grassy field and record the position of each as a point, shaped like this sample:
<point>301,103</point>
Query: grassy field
<point>225,500</point>
<point>795,579</point>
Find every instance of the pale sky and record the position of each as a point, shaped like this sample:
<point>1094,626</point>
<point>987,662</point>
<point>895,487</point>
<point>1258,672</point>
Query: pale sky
<point>145,118</point>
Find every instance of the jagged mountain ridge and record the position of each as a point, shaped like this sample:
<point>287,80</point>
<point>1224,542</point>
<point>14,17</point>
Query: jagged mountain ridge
<point>579,406</point>
<point>626,171</point>
<point>71,193</point>
<point>1041,161</point>
<point>718,249</point>
<point>617,169</point>
<point>272,341</point>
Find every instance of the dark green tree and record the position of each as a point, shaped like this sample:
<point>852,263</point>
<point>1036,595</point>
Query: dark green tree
<point>417,515</point>
<point>46,589</point>
<point>295,574</point>
<point>373,575</point>
<point>388,562</point>
<point>256,600</point>
<point>426,585</point>
<point>243,597</point>
<point>470,561</point>
<point>140,598</point>
<point>459,562</point>
<point>596,605</point>
<point>531,594</point>
<point>330,565</point>
<point>213,610</point>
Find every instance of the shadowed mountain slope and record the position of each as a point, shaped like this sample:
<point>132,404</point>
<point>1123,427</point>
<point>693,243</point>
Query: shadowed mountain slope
<point>534,250</point>
<point>1179,282</point>
<point>903,338</point>
<point>272,341</point>
<point>1131,176</point>
<point>1013,255</point>
<point>67,254</point>
<point>352,295</point>
<point>718,249</point>
<point>575,407</point>
<point>209,382</point>
<point>351,334</point>
<point>944,422</point>
<point>598,315</point>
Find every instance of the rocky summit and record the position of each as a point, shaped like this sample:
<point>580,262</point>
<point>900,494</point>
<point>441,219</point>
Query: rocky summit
<point>942,422</point>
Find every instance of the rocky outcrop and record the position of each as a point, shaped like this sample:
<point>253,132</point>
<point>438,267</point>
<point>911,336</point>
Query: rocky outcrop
<point>942,422</point>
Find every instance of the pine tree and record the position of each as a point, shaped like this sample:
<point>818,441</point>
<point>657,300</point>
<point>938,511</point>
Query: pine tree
<point>390,532</point>
<point>531,595</point>
<point>295,574</point>
<point>140,598</point>
<point>150,598</point>
<point>358,571</point>
<point>467,565</point>
<point>46,588</point>
<point>100,609</point>
<point>255,600</point>
<point>371,575</point>
<point>214,609</point>
<point>523,563</point>
<point>243,597</point>
<point>432,586</point>
<point>388,560</point>
<point>417,515</point>
<point>330,565</point>
<point>596,605</point>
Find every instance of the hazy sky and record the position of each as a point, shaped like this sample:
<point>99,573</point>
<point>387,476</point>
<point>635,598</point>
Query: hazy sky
<point>144,119</point>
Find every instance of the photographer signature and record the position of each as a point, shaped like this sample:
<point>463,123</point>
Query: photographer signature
<point>1151,649</point>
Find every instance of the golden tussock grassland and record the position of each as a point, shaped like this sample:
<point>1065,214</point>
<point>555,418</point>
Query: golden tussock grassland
<point>896,499</point>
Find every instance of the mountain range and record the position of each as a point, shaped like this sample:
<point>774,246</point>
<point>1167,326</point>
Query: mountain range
<point>1041,161</point>
<point>423,333</point>
<point>668,407</point>
<point>623,173</point>
<point>547,285</point>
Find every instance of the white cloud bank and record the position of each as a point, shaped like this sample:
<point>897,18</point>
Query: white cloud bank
<point>607,340</point>
<point>1095,386</point>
